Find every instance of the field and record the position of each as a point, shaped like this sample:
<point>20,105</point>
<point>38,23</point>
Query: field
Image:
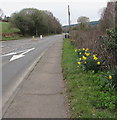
<point>9,32</point>
<point>6,28</point>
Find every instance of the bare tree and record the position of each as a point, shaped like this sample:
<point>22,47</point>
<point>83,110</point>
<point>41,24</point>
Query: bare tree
<point>83,19</point>
<point>108,16</point>
<point>83,22</point>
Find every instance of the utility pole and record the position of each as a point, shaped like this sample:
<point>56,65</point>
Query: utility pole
<point>68,29</point>
<point>69,17</point>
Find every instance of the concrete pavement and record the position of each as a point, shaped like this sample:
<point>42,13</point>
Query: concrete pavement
<point>42,94</point>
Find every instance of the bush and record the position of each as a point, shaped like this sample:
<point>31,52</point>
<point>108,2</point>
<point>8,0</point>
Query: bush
<point>108,47</point>
<point>88,60</point>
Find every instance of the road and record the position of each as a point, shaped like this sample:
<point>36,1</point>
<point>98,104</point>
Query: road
<point>18,58</point>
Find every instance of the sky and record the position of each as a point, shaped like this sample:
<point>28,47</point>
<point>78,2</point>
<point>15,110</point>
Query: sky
<point>59,8</point>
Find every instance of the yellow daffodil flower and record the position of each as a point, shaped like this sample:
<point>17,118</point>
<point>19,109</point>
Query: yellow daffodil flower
<point>98,63</point>
<point>94,55</point>
<point>110,77</point>
<point>87,54</point>
<point>87,49</point>
<point>79,63</point>
<point>83,48</point>
<point>84,57</point>
<point>95,58</point>
<point>80,53</point>
<point>80,58</point>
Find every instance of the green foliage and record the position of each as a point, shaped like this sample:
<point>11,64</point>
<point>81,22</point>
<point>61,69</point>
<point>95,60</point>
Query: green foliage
<point>89,94</point>
<point>33,21</point>
<point>6,28</point>
<point>105,95</point>
<point>103,100</point>
<point>112,78</point>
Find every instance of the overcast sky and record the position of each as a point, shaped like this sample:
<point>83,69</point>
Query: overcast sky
<point>89,8</point>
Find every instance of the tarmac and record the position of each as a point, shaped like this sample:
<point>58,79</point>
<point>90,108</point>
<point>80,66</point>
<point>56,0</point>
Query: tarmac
<point>43,93</point>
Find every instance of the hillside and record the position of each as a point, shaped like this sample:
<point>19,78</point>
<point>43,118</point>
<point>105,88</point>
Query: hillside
<point>93,23</point>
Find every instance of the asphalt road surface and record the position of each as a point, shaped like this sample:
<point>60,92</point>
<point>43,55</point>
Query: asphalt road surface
<point>18,56</point>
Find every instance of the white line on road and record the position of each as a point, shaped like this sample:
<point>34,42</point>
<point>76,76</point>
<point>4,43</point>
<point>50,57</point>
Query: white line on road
<point>13,53</point>
<point>20,55</point>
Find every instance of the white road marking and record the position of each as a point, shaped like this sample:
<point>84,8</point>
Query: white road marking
<point>13,53</point>
<point>14,57</point>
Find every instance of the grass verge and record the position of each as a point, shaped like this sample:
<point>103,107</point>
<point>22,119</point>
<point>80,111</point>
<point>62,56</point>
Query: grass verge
<point>12,38</point>
<point>84,88</point>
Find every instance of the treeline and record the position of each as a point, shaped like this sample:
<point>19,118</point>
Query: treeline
<point>32,21</point>
<point>101,39</point>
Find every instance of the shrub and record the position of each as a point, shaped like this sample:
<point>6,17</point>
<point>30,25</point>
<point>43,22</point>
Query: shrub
<point>88,60</point>
<point>108,47</point>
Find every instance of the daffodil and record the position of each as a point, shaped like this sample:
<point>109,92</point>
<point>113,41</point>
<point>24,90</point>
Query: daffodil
<point>80,58</point>
<point>87,49</point>
<point>98,63</point>
<point>94,55</point>
<point>110,77</point>
<point>79,63</point>
<point>80,53</point>
<point>76,50</point>
<point>95,58</point>
<point>87,54</point>
<point>83,48</point>
<point>85,62</point>
<point>84,57</point>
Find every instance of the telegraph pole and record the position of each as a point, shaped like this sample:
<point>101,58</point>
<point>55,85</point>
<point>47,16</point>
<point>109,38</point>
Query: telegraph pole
<point>68,29</point>
<point>69,17</point>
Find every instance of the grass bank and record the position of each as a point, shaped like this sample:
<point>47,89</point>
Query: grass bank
<point>88,98</point>
<point>9,32</point>
<point>6,28</point>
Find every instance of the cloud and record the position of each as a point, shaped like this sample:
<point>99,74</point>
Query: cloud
<point>89,8</point>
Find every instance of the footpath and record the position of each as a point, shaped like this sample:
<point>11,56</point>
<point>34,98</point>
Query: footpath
<point>42,94</point>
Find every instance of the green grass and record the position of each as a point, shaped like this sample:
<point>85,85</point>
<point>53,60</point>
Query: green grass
<point>12,38</point>
<point>6,28</point>
<point>84,88</point>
